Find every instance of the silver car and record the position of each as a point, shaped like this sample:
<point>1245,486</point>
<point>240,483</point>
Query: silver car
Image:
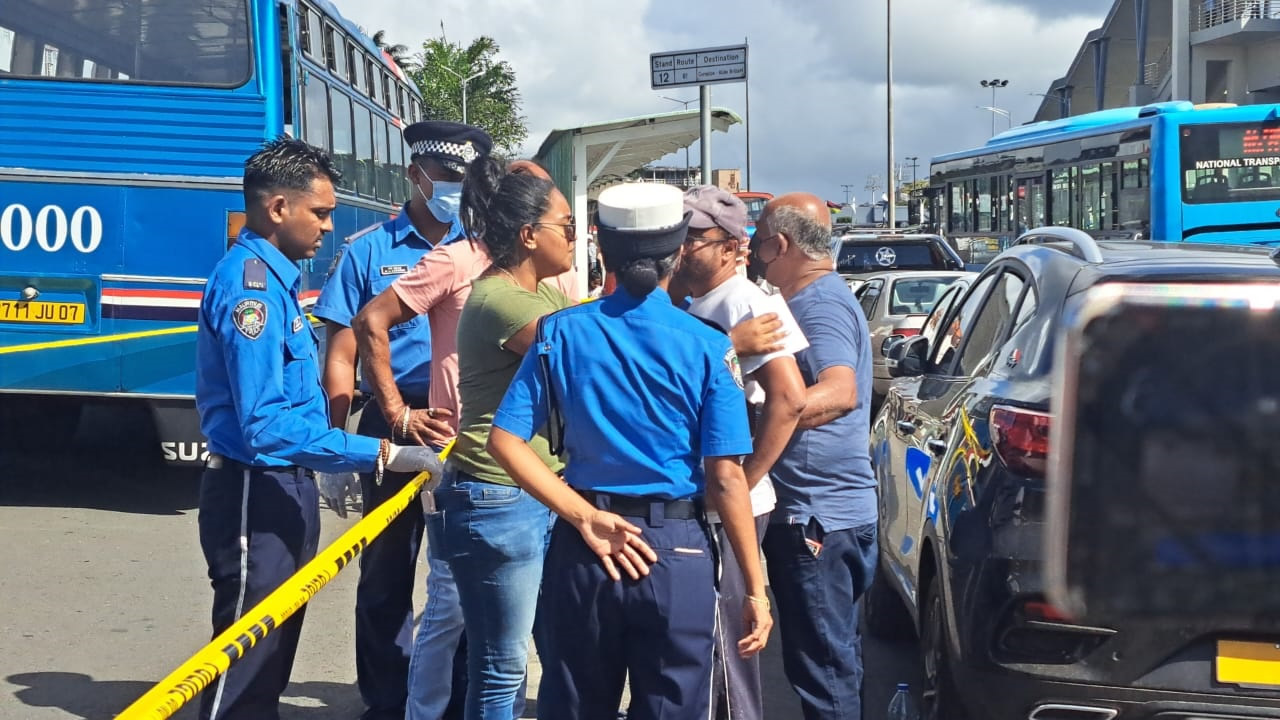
<point>897,303</point>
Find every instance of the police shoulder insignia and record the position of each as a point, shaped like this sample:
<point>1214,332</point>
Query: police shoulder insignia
<point>255,274</point>
<point>731,362</point>
<point>250,317</point>
<point>297,323</point>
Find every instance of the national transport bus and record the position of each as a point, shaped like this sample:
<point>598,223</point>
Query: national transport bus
<point>124,127</point>
<point>1170,171</point>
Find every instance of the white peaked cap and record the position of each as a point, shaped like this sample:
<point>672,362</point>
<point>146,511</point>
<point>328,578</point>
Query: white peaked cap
<point>641,206</point>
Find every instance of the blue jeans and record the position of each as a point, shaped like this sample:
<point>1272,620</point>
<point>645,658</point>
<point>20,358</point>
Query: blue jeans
<point>494,541</point>
<point>435,647</point>
<point>817,599</point>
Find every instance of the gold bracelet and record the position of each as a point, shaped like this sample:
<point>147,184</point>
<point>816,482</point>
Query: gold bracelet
<point>761,601</point>
<point>404,422</point>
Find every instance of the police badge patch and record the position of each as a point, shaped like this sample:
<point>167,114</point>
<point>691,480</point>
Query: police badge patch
<point>250,317</point>
<point>731,362</point>
<point>297,323</point>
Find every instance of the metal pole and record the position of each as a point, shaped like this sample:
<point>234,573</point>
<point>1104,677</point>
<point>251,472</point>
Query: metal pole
<point>704,103</point>
<point>748,120</point>
<point>464,102</point>
<point>993,114</point>
<point>891,208</point>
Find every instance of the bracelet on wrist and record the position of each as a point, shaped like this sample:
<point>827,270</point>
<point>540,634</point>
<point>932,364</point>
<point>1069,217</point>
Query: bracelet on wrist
<point>761,600</point>
<point>384,453</point>
<point>404,422</point>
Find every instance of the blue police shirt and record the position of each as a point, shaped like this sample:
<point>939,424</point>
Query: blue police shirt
<point>257,378</point>
<point>825,472</point>
<point>646,392</point>
<point>366,265</point>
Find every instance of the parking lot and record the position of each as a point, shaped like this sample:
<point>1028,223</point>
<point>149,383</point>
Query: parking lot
<point>105,590</point>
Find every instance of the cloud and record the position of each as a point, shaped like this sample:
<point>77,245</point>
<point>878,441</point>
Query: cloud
<point>817,70</point>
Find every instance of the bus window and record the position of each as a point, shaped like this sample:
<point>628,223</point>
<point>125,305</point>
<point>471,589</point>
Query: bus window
<point>1090,216</point>
<point>343,151</point>
<point>400,95</point>
<point>364,151</point>
<point>110,41</point>
<point>334,55</point>
<point>315,121</point>
<point>304,28</point>
<point>1235,162</point>
<point>355,67</point>
<point>371,79</point>
<point>382,180</point>
<point>984,205</point>
<point>387,91</point>
<point>399,157</point>
<point>1060,195</point>
<point>1134,195</point>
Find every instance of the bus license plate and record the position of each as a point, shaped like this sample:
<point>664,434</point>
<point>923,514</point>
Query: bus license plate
<point>1252,664</point>
<point>44,313</point>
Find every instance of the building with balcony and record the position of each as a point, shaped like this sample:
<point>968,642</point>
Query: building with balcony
<point>1156,50</point>
<point>682,177</point>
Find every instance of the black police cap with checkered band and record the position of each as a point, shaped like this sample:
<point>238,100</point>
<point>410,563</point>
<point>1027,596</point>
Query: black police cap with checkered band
<point>453,144</point>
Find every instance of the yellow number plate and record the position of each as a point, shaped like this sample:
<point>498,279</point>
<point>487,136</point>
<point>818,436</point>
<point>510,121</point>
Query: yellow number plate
<point>45,313</point>
<point>1249,663</point>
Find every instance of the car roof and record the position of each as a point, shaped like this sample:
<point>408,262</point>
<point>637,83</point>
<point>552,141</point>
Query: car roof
<point>900,274</point>
<point>882,238</point>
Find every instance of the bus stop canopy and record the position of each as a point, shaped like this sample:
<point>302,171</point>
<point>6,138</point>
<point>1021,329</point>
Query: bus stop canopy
<point>584,160</point>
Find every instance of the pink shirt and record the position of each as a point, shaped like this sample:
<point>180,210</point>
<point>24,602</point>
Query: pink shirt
<point>438,286</point>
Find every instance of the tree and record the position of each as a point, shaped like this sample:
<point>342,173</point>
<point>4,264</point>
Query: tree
<point>493,102</point>
<point>399,53</point>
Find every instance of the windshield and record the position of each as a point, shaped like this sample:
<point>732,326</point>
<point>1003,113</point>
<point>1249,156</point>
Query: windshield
<point>755,206</point>
<point>874,257</point>
<point>1239,162</point>
<point>914,296</point>
<point>181,42</point>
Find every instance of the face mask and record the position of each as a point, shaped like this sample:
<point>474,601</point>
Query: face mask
<point>446,199</point>
<point>756,268</point>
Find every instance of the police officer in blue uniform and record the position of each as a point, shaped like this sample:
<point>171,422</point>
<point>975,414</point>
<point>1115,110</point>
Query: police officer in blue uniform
<point>648,404</point>
<point>369,262</point>
<point>265,416</point>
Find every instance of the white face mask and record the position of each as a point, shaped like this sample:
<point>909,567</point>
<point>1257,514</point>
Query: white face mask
<point>445,201</point>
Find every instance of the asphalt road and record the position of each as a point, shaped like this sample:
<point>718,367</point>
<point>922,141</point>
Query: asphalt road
<point>104,589</point>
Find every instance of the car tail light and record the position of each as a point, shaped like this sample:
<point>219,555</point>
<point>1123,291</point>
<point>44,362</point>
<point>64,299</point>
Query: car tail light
<point>1021,438</point>
<point>1041,610</point>
<point>906,332</point>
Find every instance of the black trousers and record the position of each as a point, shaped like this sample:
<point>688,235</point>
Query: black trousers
<point>257,527</point>
<point>384,595</point>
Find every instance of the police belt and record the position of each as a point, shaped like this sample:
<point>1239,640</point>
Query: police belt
<point>688,509</point>
<point>222,462</point>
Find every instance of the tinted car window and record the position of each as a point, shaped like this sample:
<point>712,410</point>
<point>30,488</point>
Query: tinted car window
<point>857,257</point>
<point>958,326</point>
<point>934,321</point>
<point>868,294</point>
<point>992,324</point>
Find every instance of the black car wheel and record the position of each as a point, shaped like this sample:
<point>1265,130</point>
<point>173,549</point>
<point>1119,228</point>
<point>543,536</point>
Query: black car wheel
<point>940,701</point>
<point>886,615</point>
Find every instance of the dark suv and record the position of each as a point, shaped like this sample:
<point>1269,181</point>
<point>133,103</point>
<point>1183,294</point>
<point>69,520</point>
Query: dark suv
<point>863,253</point>
<point>960,449</point>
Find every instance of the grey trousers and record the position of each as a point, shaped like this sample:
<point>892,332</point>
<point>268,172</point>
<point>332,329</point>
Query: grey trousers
<point>736,690</point>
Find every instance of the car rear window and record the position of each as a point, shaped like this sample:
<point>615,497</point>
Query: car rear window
<point>917,295</point>
<point>860,257</point>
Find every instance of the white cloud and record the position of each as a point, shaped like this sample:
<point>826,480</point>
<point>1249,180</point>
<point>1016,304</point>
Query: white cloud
<point>817,89</point>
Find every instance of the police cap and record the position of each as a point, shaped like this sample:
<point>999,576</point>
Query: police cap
<point>452,144</point>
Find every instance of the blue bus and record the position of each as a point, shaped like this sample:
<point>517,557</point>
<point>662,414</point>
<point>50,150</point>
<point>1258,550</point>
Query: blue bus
<point>1170,171</point>
<point>125,128</point>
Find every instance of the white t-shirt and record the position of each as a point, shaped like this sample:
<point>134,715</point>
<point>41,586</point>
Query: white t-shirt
<point>728,304</point>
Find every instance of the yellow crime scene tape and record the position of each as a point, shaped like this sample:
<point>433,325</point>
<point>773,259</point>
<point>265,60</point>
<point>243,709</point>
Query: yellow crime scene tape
<point>199,672</point>
<point>102,339</point>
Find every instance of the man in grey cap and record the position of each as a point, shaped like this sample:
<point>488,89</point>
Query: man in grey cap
<point>775,393</point>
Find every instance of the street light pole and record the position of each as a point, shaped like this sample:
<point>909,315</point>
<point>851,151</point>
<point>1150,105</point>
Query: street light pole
<point>890,209</point>
<point>465,81</point>
<point>685,103</point>
<point>994,84</point>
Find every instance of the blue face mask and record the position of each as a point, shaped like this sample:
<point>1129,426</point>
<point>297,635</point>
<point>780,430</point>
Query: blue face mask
<point>446,199</point>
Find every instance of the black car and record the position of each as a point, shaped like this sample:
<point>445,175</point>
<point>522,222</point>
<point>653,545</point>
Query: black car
<point>863,253</point>
<point>960,450</point>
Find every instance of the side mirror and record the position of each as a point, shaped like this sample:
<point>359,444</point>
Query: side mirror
<point>887,345</point>
<point>906,358</point>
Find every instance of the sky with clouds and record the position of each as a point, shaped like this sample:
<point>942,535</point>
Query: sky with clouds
<point>817,70</point>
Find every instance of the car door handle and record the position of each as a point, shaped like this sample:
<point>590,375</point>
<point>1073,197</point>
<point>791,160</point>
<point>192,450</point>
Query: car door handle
<point>937,447</point>
<point>906,428</point>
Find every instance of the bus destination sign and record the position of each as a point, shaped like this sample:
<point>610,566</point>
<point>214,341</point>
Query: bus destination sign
<point>707,66</point>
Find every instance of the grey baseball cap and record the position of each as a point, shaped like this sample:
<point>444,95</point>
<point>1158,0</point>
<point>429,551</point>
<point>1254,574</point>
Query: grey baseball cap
<point>713,207</point>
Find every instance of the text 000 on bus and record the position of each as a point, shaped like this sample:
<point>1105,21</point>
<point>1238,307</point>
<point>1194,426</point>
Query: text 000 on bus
<point>126,128</point>
<point>1165,172</point>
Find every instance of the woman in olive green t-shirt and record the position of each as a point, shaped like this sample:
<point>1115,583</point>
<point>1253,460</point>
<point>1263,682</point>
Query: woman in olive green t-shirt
<point>492,533</point>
